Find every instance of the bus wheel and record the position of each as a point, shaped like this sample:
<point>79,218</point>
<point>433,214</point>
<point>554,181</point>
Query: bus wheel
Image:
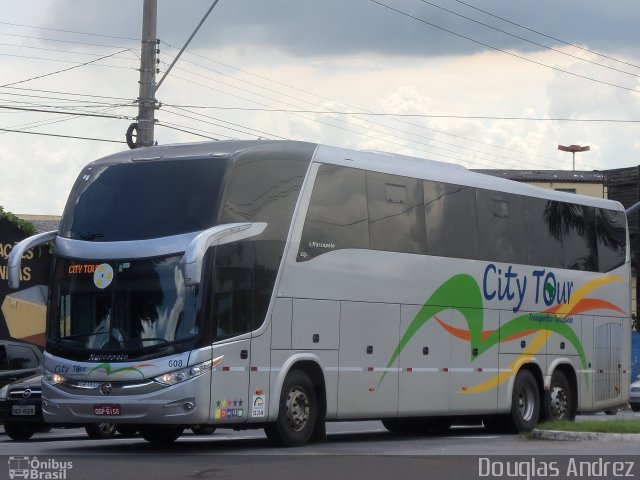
<point>525,402</point>
<point>127,430</point>
<point>558,404</point>
<point>99,431</point>
<point>297,413</point>
<point>160,434</point>
<point>203,429</point>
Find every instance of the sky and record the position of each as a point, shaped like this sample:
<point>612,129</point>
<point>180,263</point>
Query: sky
<point>486,84</point>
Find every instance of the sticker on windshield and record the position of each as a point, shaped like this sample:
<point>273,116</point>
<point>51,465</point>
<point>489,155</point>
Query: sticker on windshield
<point>103,275</point>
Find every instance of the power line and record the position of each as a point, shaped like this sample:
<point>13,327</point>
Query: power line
<point>66,93</point>
<point>410,115</point>
<point>75,42</point>
<point>43,110</point>
<point>248,130</point>
<point>515,55</point>
<point>398,120</point>
<point>527,40</point>
<point>594,52</point>
<point>61,136</point>
<point>61,71</point>
<point>182,129</point>
<point>69,31</point>
<point>57,50</point>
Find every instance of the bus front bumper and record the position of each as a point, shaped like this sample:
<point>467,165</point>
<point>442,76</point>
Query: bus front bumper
<point>186,403</point>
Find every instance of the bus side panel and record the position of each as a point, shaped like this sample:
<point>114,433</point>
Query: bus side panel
<point>315,324</point>
<point>230,382</point>
<point>424,380</point>
<point>585,373</point>
<point>472,390</point>
<point>259,376</point>
<point>608,362</point>
<point>369,333</point>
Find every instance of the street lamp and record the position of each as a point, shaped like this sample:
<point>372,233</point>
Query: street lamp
<point>573,149</point>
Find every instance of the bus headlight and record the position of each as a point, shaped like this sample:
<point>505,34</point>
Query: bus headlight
<point>177,376</point>
<point>51,378</point>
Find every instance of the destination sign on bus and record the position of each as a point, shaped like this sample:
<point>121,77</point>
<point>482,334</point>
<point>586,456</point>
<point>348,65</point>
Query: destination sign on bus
<point>80,268</point>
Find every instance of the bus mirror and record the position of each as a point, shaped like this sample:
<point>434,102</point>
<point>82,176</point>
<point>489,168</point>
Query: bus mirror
<point>14,262</point>
<point>193,258</point>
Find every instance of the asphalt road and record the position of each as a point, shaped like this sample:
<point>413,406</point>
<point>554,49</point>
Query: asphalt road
<point>353,451</point>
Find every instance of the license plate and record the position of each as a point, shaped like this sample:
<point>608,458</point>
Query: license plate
<point>23,410</point>
<point>106,410</point>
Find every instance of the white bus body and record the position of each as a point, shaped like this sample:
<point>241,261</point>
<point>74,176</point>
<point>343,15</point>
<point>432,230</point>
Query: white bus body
<point>328,284</point>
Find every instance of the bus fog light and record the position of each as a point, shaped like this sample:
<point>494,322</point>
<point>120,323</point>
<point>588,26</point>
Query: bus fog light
<point>188,406</point>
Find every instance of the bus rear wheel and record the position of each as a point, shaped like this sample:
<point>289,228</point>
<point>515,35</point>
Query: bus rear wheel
<point>297,413</point>
<point>558,401</point>
<point>525,402</point>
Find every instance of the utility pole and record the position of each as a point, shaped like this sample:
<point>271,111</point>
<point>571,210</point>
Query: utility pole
<point>144,128</point>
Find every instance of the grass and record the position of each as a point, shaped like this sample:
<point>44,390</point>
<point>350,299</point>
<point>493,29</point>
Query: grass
<point>599,426</point>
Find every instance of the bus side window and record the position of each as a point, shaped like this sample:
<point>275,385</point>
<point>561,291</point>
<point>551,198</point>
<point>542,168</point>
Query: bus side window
<point>232,301</point>
<point>337,217</point>
<point>612,239</point>
<point>501,219</point>
<point>396,213</point>
<point>451,223</point>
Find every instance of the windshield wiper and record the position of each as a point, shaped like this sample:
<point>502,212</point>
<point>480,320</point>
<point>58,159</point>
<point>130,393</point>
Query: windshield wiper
<point>91,236</point>
<point>101,330</point>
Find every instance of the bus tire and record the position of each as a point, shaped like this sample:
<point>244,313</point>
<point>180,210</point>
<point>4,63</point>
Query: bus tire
<point>161,434</point>
<point>203,429</point>
<point>127,430</point>
<point>525,402</point>
<point>558,401</point>
<point>100,431</point>
<point>297,412</point>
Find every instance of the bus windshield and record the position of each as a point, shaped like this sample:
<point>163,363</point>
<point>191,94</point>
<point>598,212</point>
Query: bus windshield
<point>137,201</point>
<point>121,306</point>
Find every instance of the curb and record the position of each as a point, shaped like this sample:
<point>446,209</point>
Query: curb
<point>583,436</point>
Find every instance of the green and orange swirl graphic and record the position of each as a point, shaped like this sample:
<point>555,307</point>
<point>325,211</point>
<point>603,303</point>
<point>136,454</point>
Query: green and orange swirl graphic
<point>463,290</point>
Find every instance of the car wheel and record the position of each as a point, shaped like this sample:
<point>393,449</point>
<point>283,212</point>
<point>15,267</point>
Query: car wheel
<point>98,431</point>
<point>19,433</point>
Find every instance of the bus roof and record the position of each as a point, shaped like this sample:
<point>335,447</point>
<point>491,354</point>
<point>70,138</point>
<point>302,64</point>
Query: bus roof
<point>382,162</point>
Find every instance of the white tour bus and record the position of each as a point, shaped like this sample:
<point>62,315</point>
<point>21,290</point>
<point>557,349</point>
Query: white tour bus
<point>282,285</point>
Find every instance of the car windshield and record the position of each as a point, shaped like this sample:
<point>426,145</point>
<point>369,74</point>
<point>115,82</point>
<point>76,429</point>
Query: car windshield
<point>122,305</point>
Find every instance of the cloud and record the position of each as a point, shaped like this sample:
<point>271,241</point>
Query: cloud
<point>339,27</point>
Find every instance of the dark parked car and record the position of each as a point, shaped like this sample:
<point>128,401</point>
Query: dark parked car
<point>18,360</point>
<point>21,411</point>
